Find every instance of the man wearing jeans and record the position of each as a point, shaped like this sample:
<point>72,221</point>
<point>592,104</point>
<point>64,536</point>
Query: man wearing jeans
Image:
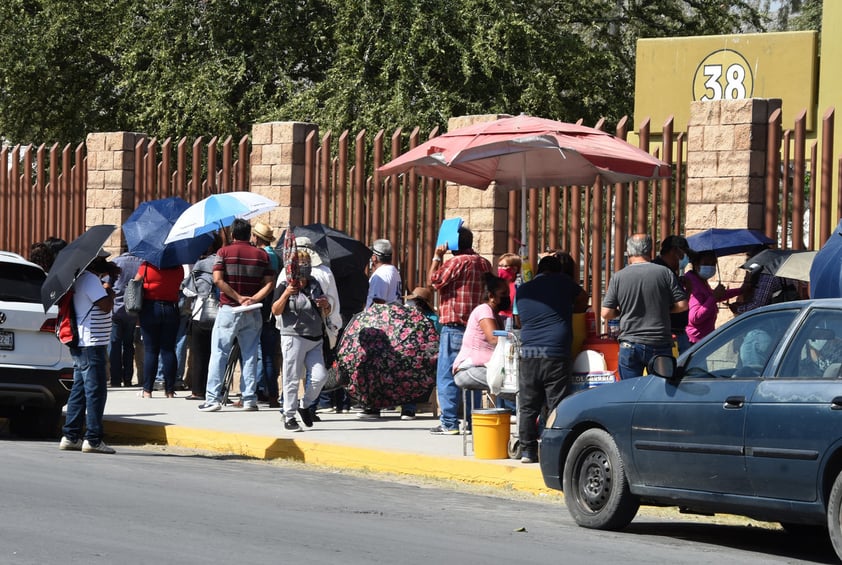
<point>93,300</point>
<point>461,289</point>
<point>642,295</point>
<point>243,275</point>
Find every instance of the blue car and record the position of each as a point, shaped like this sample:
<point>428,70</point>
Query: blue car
<point>747,422</point>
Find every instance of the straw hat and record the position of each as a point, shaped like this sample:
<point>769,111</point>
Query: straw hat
<point>423,294</point>
<point>305,243</point>
<point>264,232</point>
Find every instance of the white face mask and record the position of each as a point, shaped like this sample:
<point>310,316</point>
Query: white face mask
<point>817,344</point>
<point>707,271</point>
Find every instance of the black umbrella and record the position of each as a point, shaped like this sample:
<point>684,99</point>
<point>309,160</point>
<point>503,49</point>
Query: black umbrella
<point>772,261</point>
<point>71,261</point>
<point>343,253</point>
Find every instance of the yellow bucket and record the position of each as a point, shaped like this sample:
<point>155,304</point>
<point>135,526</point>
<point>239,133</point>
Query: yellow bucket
<point>491,433</point>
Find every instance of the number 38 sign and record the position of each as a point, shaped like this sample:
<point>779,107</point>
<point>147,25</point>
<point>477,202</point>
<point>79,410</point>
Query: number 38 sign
<point>723,75</point>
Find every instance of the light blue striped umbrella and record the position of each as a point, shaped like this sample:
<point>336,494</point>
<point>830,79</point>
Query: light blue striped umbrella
<point>218,211</point>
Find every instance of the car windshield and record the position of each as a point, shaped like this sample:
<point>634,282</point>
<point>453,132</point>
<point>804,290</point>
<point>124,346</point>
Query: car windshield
<point>20,283</point>
<point>743,349</point>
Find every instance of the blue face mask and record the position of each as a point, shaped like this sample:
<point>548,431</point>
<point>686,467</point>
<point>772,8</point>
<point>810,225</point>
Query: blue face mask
<point>707,271</point>
<point>682,264</point>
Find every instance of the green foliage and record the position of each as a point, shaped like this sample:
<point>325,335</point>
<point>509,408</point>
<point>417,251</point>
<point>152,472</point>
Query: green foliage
<point>214,67</point>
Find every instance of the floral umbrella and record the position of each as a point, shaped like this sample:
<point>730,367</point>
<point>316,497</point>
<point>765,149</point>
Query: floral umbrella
<point>388,353</point>
<point>290,256</point>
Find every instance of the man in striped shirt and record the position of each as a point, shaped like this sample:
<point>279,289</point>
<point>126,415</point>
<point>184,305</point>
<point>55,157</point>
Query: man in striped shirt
<point>93,300</point>
<point>244,277</point>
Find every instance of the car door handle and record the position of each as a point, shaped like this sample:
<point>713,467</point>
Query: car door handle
<point>734,402</point>
<point>836,403</point>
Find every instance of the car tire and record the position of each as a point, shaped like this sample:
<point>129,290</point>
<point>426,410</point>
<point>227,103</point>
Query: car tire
<point>596,489</point>
<point>834,515</point>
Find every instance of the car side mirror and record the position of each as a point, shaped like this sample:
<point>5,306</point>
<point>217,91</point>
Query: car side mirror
<point>663,366</point>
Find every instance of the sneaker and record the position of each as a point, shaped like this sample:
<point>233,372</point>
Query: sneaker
<point>369,414</point>
<point>66,444</point>
<point>159,385</point>
<point>88,447</point>
<point>179,385</point>
<point>442,431</point>
<point>529,457</point>
<point>292,425</point>
<point>210,407</point>
<point>249,406</point>
<point>306,417</point>
<point>407,415</point>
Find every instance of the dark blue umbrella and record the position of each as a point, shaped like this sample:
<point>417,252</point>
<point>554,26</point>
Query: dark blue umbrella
<point>148,226</point>
<point>826,272</point>
<point>724,241</point>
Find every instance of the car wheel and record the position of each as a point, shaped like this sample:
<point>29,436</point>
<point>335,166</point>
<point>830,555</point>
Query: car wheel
<point>36,423</point>
<point>834,515</point>
<point>514,448</point>
<point>596,489</point>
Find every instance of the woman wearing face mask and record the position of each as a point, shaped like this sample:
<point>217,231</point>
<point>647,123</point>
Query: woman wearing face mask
<point>508,268</point>
<point>703,298</point>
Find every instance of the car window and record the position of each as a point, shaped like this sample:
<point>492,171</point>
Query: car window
<point>742,349</point>
<point>20,283</point>
<point>816,350</point>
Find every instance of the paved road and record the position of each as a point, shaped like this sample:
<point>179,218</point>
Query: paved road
<point>169,506</point>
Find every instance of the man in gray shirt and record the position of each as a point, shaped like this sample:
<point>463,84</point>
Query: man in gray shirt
<point>642,295</point>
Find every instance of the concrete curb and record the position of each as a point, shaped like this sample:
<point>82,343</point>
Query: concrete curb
<point>465,470</point>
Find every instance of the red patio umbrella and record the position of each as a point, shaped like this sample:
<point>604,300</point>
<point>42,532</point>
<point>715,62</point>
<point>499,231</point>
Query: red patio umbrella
<point>527,152</point>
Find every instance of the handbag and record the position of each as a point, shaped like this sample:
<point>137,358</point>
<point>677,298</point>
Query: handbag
<point>207,312</point>
<point>133,295</point>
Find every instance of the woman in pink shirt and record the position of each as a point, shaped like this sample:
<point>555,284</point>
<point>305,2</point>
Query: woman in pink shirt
<point>703,298</point>
<point>479,341</point>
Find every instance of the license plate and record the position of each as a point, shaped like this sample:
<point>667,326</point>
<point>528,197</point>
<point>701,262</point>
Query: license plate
<point>7,340</point>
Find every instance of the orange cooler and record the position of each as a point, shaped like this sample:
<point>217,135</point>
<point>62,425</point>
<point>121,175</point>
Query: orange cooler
<point>610,349</point>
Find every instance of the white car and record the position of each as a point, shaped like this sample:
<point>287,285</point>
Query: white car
<point>36,369</point>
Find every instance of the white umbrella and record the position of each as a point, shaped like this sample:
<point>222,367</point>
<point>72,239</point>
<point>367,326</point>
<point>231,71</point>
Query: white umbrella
<point>218,211</point>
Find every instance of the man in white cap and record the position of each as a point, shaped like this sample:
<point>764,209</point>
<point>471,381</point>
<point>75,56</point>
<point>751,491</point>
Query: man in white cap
<point>384,286</point>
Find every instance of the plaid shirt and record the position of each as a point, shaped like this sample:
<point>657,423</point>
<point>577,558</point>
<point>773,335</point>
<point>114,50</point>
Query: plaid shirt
<point>461,286</point>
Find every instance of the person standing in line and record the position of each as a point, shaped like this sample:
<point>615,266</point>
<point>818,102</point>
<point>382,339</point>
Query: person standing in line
<point>545,307</point>
<point>508,269</point>
<point>123,324</point>
<point>262,236</point>
<point>93,300</point>
<point>299,307</point>
<point>704,308</point>
<point>159,324</point>
<point>461,288</point>
<point>674,256</point>
<point>642,295</point>
<point>244,278</point>
<point>384,285</point>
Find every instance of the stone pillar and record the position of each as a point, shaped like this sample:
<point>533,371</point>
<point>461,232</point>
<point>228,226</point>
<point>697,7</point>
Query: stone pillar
<point>109,196</point>
<point>277,169</point>
<point>726,167</point>
<point>485,212</point>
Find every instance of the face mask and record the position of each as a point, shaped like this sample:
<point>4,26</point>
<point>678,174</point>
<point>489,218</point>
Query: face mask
<point>817,344</point>
<point>682,264</point>
<point>707,271</point>
<point>506,273</point>
<point>304,271</point>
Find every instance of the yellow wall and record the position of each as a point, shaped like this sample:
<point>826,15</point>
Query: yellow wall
<point>830,82</point>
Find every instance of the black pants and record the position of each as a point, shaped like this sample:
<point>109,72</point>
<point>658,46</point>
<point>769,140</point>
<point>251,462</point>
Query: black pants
<point>200,350</point>
<point>543,381</point>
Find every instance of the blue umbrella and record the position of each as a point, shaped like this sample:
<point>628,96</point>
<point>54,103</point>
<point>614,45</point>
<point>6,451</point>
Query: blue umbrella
<point>724,241</point>
<point>148,226</point>
<point>826,272</point>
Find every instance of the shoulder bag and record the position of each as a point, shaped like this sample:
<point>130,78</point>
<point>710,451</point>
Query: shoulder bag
<point>133,295</point>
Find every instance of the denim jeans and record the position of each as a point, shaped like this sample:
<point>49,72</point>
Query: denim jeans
<point>180,351</point>
<point>635,356</point>
<point>270,337</point>
<point>121,350</point>
<point>449,395</point>
<point>245,328</point>
<point>159,328</point>
<point>86,402</point>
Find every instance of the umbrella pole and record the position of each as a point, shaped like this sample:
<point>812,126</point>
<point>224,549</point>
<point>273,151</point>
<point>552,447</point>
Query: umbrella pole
<point>523,249</point>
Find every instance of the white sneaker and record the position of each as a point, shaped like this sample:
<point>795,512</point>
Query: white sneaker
<point>249,406</point>
<point>87,447</point>
<point>210,407</point>
<point>67,445</point>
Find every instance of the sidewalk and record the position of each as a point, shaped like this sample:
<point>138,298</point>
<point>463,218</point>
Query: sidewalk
<point>388,445</point>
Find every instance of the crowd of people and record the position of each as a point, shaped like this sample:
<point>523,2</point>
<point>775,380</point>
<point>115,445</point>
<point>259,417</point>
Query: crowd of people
<point>237,302</point>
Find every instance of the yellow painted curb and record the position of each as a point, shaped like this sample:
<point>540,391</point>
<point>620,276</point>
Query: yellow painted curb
<point>466,470</point>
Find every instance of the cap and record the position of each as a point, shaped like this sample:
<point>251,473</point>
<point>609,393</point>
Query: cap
<point>382,247</point>
<point>264,232</point>
<point>674,242</point>
<point>303,242</point>
<point>421,293</point>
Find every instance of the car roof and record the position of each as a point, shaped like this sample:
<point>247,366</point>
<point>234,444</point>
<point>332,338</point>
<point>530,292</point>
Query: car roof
<point>9,257</point>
